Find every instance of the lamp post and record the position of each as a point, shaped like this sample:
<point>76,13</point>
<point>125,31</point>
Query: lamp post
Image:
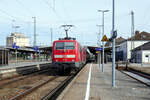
<point>34,41</point>
<point>103,11</point>
<point>113,44</point>
<point>99,44</point>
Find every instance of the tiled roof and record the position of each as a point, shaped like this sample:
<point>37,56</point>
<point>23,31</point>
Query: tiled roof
<point>140,36</point>
<point>118,41</point>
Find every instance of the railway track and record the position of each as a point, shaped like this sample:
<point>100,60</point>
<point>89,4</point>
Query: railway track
<point>46,90</point>
<point>40,85</point>
<point>28,91</point>
<point>54,93</point>
<point>142,74</point>
<point>11,87</point>
<point>139,76</point>
<point>8,81</point>
<point>36,86</point>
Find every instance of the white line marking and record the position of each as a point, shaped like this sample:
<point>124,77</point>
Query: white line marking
<point>88,85</point>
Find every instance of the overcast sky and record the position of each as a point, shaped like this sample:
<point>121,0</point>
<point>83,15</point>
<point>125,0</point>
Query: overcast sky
<point>82,14</point>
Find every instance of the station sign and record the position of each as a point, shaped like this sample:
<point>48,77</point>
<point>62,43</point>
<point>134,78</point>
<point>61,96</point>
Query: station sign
<point>14,46</point>
<point>98,49</point>
<point>35,48</point>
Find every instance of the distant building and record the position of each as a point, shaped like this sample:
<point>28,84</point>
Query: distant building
<point>17,38</point>
<point>118,41</point>
<point>108,46</point>
<point>125,47</point>
<point>141,54</point>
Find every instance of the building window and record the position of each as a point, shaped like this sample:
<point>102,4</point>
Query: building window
<point>146,55</point>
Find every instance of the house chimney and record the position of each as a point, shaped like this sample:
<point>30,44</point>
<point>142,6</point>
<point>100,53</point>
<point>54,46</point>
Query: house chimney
<point>137,32</point>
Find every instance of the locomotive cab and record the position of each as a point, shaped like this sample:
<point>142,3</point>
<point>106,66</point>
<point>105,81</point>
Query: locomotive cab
<point>67,55</point>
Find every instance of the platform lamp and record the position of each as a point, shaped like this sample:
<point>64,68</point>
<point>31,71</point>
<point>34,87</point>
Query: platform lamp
<point>103,11</point>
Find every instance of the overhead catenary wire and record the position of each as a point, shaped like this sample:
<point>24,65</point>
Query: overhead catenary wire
<point>11,17</point>
<point>27,9</point>
<point>52,8</point>
<point>47,3</point>
<point>67,14</point>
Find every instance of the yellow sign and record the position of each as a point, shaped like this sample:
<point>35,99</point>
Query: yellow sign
<point>97,51</point>
<point>104,39</point>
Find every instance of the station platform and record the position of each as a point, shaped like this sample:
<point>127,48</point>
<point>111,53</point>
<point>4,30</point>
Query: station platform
<point>22,64</point>
<point>92,84</point>
<point>22,68</point>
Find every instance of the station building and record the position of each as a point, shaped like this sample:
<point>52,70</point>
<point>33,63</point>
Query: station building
<point>17,38</point>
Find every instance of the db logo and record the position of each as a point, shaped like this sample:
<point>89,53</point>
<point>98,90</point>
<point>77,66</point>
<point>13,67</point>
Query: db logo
<point>64,56</point>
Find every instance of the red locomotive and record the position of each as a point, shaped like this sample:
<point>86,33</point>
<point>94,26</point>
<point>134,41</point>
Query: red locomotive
<point>68,54</point>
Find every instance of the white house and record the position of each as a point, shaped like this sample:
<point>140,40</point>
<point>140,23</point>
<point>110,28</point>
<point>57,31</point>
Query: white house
<point>141,54</point>
<point>125,48</point>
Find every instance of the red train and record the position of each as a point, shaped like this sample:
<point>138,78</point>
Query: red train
<point>68,55</point>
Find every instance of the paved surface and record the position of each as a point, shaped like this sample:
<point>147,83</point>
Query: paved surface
<point>100,86</point>
<point>21,64</point>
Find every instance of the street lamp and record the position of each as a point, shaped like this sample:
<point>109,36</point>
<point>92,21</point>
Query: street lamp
<point>103,11</point>
<point>34,41</point>
<point>99,36</point>
<point>99,44</point>
<point>113,44</point>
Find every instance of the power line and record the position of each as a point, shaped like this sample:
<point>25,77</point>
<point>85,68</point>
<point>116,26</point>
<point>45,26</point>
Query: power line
<point>54,4</point>
<point>52,8</point>
<point>22,5</point>
<point>47,3</point>
<point>4,12</point>
<point>11,17</point>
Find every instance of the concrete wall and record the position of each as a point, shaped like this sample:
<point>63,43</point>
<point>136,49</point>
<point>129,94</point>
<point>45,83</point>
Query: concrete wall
<point>136,56</point>
<point>20,41</point>
<point>123,47</point>
<point>146,56</point>
<point>136,44</point>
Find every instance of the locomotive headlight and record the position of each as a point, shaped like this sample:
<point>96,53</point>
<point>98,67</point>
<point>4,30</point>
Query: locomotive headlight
<point>58,56</point>
<point>70,56</point>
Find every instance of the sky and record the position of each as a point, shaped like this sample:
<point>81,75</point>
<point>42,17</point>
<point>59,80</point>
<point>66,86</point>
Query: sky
<point>83,14</point>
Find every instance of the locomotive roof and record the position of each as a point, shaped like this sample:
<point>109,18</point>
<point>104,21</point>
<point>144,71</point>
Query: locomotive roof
<point>66,39</point>
<point>63,40</point>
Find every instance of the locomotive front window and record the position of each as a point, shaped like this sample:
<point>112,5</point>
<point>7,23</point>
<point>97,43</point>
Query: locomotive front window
<point>59,45</point>
<point>65,45</point>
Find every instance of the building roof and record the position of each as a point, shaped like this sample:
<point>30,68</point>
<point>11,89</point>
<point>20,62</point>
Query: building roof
<point>140,36</point>
<point>118,41</point>
<point>145,46</point>
<point>3,48</point>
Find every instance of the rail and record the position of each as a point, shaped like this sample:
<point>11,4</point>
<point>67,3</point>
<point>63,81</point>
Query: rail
<point>21,95</point>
